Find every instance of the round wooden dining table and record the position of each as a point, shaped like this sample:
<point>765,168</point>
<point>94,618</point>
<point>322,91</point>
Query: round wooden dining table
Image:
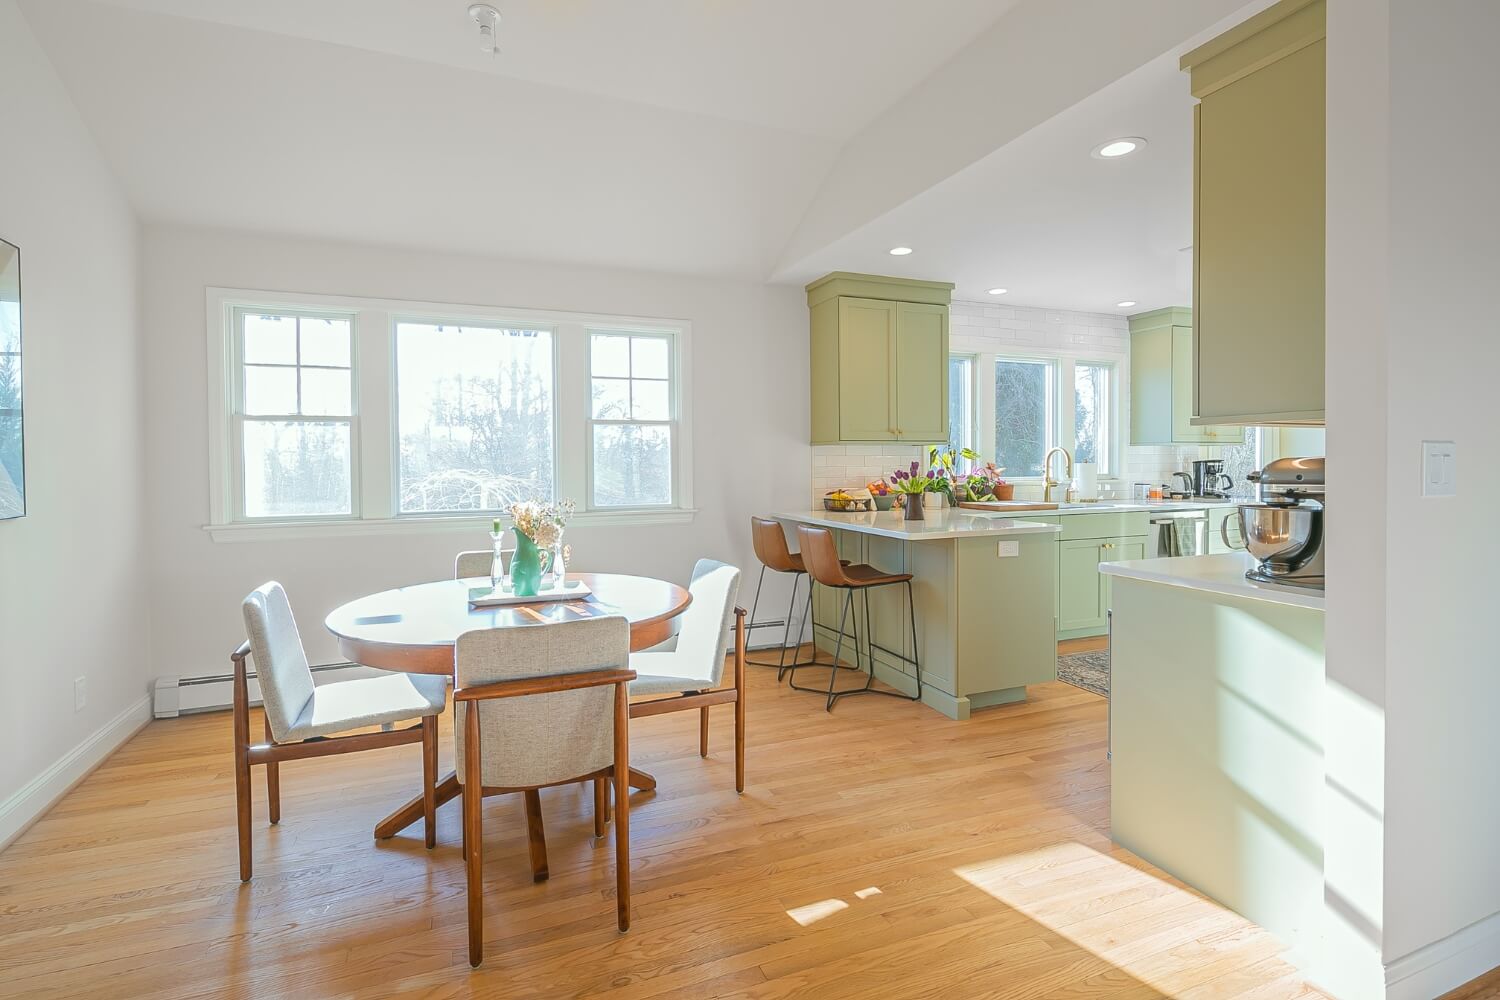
<point>414,629</point>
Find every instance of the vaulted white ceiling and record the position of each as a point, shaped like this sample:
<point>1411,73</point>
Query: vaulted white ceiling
<point>728,137</point>
<point>824,68</point>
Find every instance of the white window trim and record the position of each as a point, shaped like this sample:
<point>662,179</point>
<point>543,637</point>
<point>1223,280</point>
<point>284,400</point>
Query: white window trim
<point>374,405</point>
<point>1061,419</point>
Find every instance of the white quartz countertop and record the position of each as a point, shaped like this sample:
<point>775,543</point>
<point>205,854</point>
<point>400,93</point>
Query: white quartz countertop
<point>936,526</point>
<point>1216,574</point>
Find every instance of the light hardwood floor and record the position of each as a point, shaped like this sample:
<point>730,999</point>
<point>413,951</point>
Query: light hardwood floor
<point>880,851</point>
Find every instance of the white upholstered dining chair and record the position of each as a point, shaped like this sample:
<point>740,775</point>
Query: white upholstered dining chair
<point>301,720</point>
<point>477,562</point>
<point>537,707</point>
<point>691,674</point>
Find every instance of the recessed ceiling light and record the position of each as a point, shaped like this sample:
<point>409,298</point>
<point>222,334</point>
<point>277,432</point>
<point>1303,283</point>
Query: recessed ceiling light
<point>1124,305</point>
<point>998,291</point>
<point>1113,148</point>
<point>900,251</point>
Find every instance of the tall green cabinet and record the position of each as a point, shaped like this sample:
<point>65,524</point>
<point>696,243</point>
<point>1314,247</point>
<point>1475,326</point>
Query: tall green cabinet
<point>1258,218</point>
<point>1161,382</point>
<point>879,359</point>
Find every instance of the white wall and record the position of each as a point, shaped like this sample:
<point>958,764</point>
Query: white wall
<point>1413,874</point>
<point>72,586</point>
<point>750,410</point>
<point>1442,869</point>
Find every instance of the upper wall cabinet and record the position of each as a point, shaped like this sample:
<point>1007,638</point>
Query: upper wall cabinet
<point>1161,382</point>
<point>879,359</point>
<point>1258,219</point>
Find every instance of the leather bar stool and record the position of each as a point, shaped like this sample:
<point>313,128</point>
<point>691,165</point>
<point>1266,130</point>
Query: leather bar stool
<point>769,541</point>
<point>820,558</point>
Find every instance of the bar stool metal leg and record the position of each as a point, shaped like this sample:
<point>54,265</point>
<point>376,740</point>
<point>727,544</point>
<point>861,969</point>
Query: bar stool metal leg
<point>832,693</point>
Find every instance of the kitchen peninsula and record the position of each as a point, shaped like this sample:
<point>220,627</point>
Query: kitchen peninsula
<point>984,588</point>
<point>1216,735</point>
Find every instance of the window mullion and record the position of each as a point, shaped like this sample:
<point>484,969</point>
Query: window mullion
<point>574,449</point>
<point>1066,408</point>
<point>374,423</point>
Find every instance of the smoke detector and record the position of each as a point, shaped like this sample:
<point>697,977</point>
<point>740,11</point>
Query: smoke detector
<point>488,19</point>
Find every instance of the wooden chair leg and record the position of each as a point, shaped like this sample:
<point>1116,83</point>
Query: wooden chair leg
<point>429,777</point>
<point>241,726</point>
<point>739,700</point>
<point>622,806</point>
<point>473,793</point>
<point>702,732</point>
<point>273,782</point>
<point>601,803</point>
<point>536,836</point>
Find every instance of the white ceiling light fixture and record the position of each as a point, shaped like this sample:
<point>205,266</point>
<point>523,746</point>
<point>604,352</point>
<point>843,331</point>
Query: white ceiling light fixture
<point>488,19</point>
<point>998,291</point>
<point>900,251</point>
<point>1124,305</point>
<point>1113,149</point>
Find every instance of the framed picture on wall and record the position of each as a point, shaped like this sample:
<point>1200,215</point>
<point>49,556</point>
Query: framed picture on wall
<point>12,439</point>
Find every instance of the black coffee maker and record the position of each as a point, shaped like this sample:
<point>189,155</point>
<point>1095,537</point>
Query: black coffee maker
<point>1209,479</point>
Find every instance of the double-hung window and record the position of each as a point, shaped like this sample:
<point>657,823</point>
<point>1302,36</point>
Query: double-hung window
<point>294,413</point>
<point>370,414</point>
<point>631,425</point>
<point>961,405</point>
<point>1025,414</point>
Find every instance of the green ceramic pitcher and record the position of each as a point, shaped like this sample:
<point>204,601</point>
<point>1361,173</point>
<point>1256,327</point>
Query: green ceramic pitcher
<point>527,564</point>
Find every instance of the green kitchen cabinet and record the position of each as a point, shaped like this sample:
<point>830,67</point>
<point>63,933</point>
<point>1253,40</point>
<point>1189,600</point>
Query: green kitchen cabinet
<point>1258,219</point>
<point>1161,382</point>
<point>879,359</point>
<point>1084,592</point>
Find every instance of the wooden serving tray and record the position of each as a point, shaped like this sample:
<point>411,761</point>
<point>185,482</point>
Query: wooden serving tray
<point>1002,506</point>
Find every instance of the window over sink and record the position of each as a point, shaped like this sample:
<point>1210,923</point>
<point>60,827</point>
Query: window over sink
<point>1029,405</point>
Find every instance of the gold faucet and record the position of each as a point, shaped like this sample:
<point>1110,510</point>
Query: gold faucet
<point>1050,483</point>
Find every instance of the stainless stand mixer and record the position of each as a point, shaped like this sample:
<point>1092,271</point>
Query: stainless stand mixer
<point>1284,529</point>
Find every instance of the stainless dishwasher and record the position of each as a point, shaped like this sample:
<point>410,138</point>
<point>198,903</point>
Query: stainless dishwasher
<point>1178,533</point>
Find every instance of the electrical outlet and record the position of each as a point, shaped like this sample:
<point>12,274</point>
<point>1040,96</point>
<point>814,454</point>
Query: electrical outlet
<point>80,693</point>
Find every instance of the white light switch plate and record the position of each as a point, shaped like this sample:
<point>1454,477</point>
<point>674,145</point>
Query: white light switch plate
<point>1010,549</point>
<point>1439,469</point>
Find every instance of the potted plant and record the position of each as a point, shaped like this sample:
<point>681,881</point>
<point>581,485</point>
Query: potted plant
<point>952,485</point>
<point>988,483</point>
<point>912,484</point>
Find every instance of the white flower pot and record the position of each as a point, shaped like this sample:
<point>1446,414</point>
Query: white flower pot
<point>933,501</point>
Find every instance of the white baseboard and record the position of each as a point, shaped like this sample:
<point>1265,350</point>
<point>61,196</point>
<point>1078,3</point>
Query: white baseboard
<point>1447,964</point>
<point>33,799</point>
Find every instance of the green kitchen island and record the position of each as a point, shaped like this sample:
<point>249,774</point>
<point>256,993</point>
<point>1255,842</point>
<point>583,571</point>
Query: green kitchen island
<point>984,589</point>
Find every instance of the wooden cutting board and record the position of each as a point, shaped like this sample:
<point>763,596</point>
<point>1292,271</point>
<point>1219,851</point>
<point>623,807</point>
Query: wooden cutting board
<point>997,506</point>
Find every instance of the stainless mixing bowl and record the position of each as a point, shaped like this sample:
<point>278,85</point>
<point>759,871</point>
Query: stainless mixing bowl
<point>1281,536</point>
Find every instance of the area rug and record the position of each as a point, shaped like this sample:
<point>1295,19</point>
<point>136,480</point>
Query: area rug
<point>1089,671</point>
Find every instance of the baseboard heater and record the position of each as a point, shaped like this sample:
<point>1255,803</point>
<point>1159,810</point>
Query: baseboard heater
<point>174,696</point>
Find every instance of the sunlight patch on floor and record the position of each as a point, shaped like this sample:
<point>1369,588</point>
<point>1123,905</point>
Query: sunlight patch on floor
<point>1059,887</point>
<point>813,912</point>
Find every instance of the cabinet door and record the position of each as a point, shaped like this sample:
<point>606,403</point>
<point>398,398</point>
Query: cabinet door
<point>921,372</point>
<point>1118,550</point>
<point>1220,523</point>
<point>1081,600</point>
<point>867,368</point>
<point>1259,244</point>
<point>1183,431</point>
